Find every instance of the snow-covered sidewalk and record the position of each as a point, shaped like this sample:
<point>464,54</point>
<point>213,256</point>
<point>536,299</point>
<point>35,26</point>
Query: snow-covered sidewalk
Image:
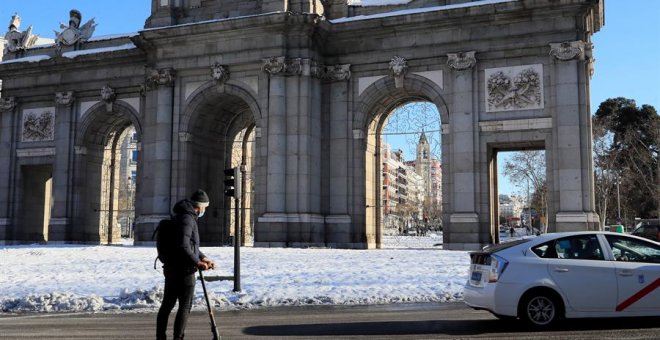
<point>122,278</point>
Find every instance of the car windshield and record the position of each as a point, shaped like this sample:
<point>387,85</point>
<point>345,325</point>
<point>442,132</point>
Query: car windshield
<point>634,250</point>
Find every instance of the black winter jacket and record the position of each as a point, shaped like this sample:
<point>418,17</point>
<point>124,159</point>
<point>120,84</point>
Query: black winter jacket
<point>187,252</point>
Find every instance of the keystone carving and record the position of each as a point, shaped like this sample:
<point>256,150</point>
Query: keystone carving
<point>462,60</point>
<point>219,73</point>
<point>108,95</point>
<point>398,68</point>
<point>64,98</point>
<point>567,50</point>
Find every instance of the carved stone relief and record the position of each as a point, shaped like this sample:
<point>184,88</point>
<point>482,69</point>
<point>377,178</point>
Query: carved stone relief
<point>514,88</point>
<point>38,125</point>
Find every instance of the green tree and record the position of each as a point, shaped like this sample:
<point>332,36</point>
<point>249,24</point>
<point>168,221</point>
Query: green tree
<point>634,153</point>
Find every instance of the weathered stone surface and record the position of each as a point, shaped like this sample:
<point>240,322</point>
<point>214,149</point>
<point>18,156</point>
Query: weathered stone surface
<point>307,80</point>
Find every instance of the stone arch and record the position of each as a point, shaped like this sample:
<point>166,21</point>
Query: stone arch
<point>210,92</point>
<point>97,150</point>
<point>97,122</point>
<point>211,124</point>
<point>383,95</point>
<point>371,111</point>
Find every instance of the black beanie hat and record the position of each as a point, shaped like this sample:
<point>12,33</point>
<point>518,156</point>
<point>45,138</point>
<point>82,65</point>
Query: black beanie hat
<point>200,198</point>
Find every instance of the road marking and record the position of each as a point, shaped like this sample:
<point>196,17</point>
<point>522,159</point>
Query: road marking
<point>625,304</point>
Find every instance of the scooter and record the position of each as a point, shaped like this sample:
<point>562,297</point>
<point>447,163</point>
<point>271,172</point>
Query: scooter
<point>214,328</point>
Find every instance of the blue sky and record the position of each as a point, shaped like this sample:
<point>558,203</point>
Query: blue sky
<point>627,48</point>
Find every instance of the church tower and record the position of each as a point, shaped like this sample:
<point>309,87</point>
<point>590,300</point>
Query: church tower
<point>423,165</point>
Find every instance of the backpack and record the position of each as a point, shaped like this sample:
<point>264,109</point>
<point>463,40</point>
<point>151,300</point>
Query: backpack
<point>165,236</point>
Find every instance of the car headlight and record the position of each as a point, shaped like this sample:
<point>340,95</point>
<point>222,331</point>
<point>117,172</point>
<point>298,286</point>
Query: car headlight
<point>497,267</point>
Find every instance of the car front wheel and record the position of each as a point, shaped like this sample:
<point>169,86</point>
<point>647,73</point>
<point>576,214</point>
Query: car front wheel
<point>540,310</point>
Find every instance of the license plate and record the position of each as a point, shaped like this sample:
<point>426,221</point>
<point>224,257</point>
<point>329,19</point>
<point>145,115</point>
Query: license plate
<point>475,276</point>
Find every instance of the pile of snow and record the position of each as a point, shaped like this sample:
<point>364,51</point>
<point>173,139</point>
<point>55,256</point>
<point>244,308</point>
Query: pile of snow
<point>75,278</point>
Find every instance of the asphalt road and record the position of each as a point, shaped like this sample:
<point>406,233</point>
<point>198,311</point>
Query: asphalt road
<point>404,321</point>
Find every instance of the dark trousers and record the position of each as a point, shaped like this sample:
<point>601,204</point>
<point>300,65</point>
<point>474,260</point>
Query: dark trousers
<point>178,287</point>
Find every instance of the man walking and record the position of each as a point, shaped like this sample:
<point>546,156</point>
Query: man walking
<point>180,270</point>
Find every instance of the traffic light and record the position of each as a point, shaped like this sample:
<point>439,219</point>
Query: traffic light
<point>233,182</point>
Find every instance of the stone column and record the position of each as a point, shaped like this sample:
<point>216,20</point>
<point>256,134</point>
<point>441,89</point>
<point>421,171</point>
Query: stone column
<point>7,146</point>
<point>463,225</point>
<point>156,147</point>
<point>573,165</point>
<point>65,119</point>
<point>294,146</point>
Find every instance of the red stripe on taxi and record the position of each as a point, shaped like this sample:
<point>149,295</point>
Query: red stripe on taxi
<point>625,304</point>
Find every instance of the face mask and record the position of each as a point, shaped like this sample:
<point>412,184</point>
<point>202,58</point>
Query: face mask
<point>201,214</point>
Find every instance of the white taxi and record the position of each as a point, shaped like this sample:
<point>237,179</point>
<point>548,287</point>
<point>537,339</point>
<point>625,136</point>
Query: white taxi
<point>566,275</point>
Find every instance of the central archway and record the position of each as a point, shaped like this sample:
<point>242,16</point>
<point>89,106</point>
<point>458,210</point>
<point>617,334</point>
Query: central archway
<point>377,103</point>
<point>217,133</point>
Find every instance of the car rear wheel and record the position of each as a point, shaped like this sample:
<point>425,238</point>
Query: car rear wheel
<point>540,310</point>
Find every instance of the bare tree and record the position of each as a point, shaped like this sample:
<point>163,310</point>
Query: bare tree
<point>528,167</point>
<point>606,172</point>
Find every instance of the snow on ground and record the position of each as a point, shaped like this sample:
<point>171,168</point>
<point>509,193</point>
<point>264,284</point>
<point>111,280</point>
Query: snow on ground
<point>38,278</point>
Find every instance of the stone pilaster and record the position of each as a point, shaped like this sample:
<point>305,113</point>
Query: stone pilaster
<point>293,199</point>
<point>65,119</point>
<point>463,217</point>
<point>155,179</point>
<point>8,117</point>
<point>573,164</point>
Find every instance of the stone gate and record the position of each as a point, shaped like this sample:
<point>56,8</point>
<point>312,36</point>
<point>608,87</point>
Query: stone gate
<point>295,93</point>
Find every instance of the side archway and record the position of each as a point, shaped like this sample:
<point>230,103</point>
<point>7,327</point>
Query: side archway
<point>99,150</point>
<point>375,105</point>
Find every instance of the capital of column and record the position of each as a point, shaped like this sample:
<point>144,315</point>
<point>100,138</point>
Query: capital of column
<point>162,77</point>
<point>283,66</point>
<point>336,72</point>
<point>568,50</point>
<point>64,98</point>
<point>462,60</point>
<point>7,104</point>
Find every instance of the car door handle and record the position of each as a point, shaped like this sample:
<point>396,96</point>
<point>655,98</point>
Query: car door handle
<point>626,273</point>
<point>560,269</point>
